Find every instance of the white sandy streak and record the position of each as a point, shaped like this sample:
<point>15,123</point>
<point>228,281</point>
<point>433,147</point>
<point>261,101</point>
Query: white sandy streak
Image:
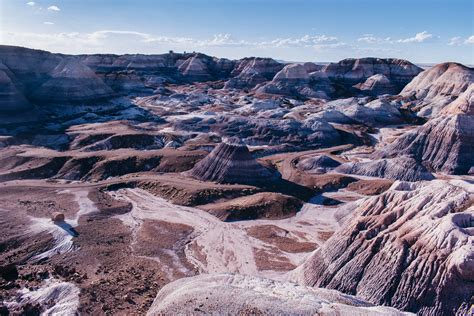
<point>227,247</point>
<point>62,233</point>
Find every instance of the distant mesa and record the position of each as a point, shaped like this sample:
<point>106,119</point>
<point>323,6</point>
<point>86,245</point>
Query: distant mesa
<point>43,77</point>
<point>353,71</point>
<point>231,162</point>
<point>252,71</point>
<point>364,76</point>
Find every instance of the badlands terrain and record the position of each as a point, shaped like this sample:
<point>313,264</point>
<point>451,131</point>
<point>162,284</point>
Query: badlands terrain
<point>185,183</point>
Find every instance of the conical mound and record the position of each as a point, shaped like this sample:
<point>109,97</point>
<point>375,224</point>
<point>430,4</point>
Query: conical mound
<point>231,162</point>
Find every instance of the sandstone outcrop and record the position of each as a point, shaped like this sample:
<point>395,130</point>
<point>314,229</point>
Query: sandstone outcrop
<point>410,247</point>
<point>231,162</point>
<point>437,86</point>
<point>234,294</point>
<point>400,168</point>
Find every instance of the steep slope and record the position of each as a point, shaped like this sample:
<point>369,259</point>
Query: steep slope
<point>252,71</point>
<point>299,80</point>
<point>445,143</point>
<point>411,247</point>
<point>400,168</point>
<point>11,99</point>
<point>231,162</point>
<point>71,81</point>
<point>438,86</point>
<point>377,85</point>
<point>44,77</point>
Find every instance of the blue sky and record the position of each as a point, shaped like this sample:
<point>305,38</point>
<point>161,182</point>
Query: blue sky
<point>421,31</point>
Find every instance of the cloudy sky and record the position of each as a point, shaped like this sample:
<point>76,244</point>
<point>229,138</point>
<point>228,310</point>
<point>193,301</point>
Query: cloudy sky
<point>423,31</point>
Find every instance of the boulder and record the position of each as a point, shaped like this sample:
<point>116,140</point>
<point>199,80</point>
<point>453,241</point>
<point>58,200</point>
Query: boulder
<point>57,217</point>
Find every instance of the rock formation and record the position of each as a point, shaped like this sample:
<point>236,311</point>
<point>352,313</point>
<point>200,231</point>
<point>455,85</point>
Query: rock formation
<point>376,113</point>
<point>437,86</point>
<point>194,69</point>
<point>410,247</point>
<point>317,164</point>
<point>445,143</point>
<point>294,80</point>
<point>351,71</point>
<point>231,162</point>
<point>72,82</point>
<point>400,168</point>
<point>234,294</point>
<point>377,85</point>
<point>46,78</point>
<point>252,71</point>
<point>11,98</point>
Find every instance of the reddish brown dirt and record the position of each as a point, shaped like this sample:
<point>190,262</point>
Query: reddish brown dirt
<point>280,238</point>
<point>111,278</point>
<point>261,205</point>
<point>370,187</point>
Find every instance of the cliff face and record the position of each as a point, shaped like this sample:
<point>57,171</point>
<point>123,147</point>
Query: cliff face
<point>410,247</point>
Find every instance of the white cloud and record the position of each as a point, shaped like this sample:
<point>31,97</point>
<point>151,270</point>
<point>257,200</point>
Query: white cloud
<point>53,8</point>
<point>48,23</point>
<point>458,41</point>
<point>304,41</point>
<point>418,38</point>
<point>455,41</point>
<point>31,3</point>
<point>469,40</point>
